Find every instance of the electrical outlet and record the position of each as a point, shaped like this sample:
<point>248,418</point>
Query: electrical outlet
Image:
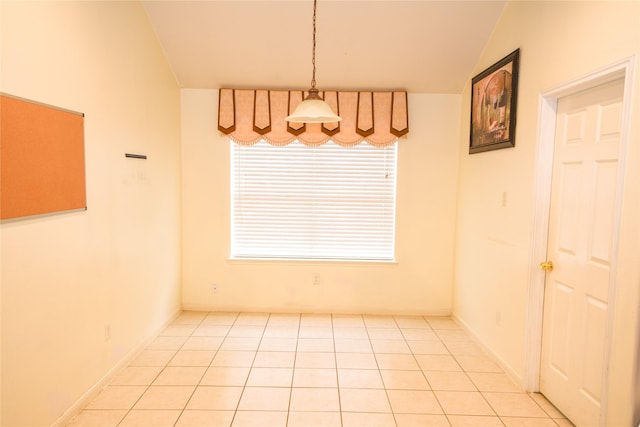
<point>214,288</point>
<point>316,279</point>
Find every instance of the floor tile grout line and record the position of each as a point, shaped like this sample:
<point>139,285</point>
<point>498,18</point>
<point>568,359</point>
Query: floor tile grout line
<point>218,351</point>
<point>246,381</point>
<point>204,373</point>
<point>335,360</point>
<point>463,370</point>
<point>416,359</point>
<point>148,387</point>
<point>466,373</point>
<point>423,371</point>
<point>500,420</point>
<point>375,357</point>
<point>184,407</point>
<point>293,369</point>
<point>385,386</point>
<point>542,408</point>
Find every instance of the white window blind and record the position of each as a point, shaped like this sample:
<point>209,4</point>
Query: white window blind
<point>325,202</point>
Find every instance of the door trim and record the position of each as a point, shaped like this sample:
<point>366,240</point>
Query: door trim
<point>541,206</point>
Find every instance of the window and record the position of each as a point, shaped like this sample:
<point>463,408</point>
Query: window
<point>325,202</point>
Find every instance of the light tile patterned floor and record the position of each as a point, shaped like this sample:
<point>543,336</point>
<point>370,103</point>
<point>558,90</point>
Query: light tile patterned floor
<point>312,370</point>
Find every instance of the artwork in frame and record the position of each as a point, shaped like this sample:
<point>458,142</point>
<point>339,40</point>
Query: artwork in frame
<point>494,94</point>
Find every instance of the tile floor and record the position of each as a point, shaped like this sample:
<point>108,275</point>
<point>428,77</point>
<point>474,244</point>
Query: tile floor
<point>248,369</point>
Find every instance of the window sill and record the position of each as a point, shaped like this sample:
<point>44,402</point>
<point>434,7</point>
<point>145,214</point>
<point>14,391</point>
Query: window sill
<point>314,261</point>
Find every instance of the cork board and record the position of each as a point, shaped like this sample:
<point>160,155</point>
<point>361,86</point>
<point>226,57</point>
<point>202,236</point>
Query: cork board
<point>42,168</point>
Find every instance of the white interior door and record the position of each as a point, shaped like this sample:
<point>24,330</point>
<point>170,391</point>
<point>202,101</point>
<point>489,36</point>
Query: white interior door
<point>581,235</point>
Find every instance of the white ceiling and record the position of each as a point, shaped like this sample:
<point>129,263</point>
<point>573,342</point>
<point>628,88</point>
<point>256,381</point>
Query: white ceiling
<point>420,46</point>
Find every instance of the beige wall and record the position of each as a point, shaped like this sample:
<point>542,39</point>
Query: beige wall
<point>64,277</point>
<point>559,42</point>
<point>420,281</point>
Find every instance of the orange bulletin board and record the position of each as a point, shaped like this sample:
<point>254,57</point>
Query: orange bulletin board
<point>41,159</point>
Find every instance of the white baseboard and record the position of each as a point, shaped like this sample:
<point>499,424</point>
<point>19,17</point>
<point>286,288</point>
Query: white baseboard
<point>295,310</point>
<point>90,394</point>
<point>511,373</point>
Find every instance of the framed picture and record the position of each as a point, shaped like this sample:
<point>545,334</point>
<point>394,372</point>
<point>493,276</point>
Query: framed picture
<point>494,93</point>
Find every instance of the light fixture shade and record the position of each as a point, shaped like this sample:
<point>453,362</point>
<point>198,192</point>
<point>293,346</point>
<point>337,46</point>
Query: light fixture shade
<point>313,111</point>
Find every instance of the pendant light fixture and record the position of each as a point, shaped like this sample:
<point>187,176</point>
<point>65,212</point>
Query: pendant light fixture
<point>313,109</point>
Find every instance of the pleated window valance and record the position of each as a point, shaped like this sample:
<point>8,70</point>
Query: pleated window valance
<point>249,115</point>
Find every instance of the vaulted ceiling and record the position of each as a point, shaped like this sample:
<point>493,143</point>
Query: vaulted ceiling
<point>421,46</point>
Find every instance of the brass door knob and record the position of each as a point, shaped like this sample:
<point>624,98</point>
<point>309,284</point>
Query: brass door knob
<point>546,266</point>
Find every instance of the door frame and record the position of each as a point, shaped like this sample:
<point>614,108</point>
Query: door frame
<point>545,145</point>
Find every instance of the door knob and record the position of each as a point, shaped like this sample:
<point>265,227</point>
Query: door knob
<point>546,266</point>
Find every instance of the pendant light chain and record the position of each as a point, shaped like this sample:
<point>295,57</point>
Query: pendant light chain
<point>313,109</point>
<point>313,58</point>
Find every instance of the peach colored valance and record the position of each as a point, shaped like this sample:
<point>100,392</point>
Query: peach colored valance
<point>249,115</point>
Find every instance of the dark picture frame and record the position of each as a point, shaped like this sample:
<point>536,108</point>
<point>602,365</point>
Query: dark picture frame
<point>494,95</point>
